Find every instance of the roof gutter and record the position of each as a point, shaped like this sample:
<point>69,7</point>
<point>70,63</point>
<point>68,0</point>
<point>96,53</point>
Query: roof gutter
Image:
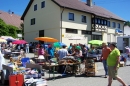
<point>61,24</point>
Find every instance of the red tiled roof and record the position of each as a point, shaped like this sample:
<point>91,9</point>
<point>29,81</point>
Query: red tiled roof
<point>11,19</point>
<point>80,6</point>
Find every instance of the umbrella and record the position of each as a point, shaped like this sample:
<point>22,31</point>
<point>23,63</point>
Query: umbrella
<point>46,39</point>
<point>9,39</point>
<point>19,42</point>
<point>2,40</point>
<point>95,42</point>
<point>58,44</point>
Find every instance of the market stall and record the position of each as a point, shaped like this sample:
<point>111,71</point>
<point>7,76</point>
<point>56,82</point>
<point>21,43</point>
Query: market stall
<point>30,72</point>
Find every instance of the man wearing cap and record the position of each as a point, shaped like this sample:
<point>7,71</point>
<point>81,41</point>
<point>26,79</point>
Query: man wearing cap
<point>113,65</point>
<point>105,52</point>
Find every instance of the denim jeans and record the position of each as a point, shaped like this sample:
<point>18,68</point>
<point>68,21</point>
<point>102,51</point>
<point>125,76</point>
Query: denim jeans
<point>105,66</point>
<point>27,50</point>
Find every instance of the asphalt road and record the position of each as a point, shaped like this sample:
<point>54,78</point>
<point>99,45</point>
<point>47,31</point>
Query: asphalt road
<point>83,80</point>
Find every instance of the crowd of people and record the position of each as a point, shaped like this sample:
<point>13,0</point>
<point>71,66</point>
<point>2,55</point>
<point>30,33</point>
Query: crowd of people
<point>110,55</point>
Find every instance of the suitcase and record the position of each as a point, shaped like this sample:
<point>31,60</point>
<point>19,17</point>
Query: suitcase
<point>16,80</point>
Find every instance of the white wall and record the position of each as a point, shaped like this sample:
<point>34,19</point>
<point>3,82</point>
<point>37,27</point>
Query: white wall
<point>47,19</point>
<point>127,30</point>
<point>76,24</point>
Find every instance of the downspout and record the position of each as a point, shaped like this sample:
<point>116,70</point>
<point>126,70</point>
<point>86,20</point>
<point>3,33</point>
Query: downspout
<point>61,24</point>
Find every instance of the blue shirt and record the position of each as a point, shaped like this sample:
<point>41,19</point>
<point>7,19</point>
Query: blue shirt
<point>50,51</point>
<point>62,53</point>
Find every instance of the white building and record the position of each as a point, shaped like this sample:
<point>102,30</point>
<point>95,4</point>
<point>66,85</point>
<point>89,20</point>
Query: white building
<point>63,19</point>
<point>127,31</point>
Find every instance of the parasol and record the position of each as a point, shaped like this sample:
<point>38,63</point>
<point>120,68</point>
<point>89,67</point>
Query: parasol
<point>46,39</point>
<point>19,42</point>
<point>95,42</point>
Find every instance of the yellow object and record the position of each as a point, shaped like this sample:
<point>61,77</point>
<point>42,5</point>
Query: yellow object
<point>46,39</point>
<point>62,35</point>
<point>2,40</point>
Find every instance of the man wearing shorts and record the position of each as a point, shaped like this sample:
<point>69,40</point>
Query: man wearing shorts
<point>113,65</point>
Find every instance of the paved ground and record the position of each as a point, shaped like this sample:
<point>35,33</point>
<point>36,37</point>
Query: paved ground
<point>124,73</point>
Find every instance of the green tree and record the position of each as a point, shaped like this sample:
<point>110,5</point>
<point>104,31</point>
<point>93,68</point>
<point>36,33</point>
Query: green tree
<point>8,30</point>
<point>3,28</point>
<point>127,23</point>
<point>12,31</point>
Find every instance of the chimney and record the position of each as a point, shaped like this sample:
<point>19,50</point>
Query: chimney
<point>12,12</point>
<point>89,2</point>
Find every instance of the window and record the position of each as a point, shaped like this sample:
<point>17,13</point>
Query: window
<point>96,37</point>
<point>118,26</point>
<point>33,21</point>
<point>35,7</point>
<point>108,23</point>
<point>83,18</point>
<point>86,32</point>
<point>99,21</point>
<point>104,22</point>
<point>113,24</point>
<point>68,30</point>
<point>96,20</point>
<point>71,16</point>
<point>43,4</point>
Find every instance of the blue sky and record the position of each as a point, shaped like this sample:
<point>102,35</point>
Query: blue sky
<point>118,7</point>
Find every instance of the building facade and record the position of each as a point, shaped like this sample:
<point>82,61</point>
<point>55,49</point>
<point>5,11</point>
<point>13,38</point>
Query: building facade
<point>65,19</point>
<point>126,31</point>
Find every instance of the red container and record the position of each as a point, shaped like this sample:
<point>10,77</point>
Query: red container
<point>16,80</point>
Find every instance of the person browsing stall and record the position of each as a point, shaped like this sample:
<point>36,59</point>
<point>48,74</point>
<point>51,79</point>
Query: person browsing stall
<point>62,52</point>
<point>41,52</point>
<point>50,50</point>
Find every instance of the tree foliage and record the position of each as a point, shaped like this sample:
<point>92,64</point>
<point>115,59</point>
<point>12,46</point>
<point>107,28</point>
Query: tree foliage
<point>3,28</point>
<point>127,23</point>
<point>12,31</point>
<point>7,30</point>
